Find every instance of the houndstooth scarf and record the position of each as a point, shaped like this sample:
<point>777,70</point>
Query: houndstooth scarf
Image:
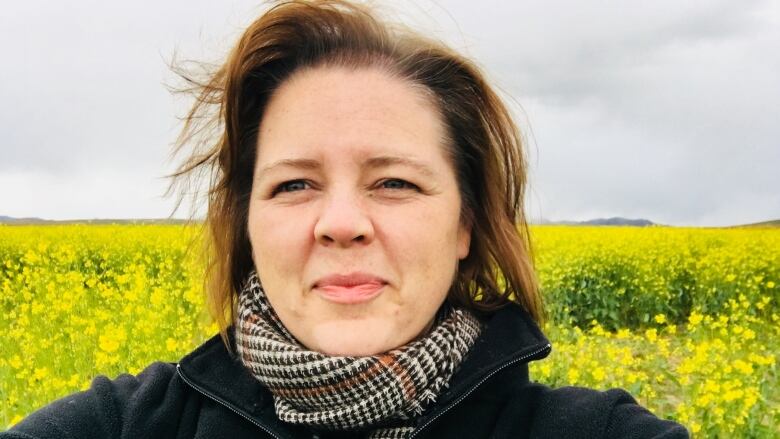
<point>382,393</point>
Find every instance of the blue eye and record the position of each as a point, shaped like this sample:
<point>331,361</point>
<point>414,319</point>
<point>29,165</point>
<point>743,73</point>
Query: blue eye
<point>291,186</point>
<point>395,183</point>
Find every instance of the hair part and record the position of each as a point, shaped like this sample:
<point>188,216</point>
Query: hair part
<point>482,140</point>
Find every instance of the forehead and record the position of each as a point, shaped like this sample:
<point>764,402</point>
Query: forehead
<point>329,109</point>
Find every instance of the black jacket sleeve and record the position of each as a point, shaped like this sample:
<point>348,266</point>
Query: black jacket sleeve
<point>575,412</point>
<point>109,408</point>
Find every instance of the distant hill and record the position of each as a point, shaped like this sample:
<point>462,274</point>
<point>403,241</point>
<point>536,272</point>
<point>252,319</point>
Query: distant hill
<point>11,220</point>
<point>772,223</point>
<point>614,221</point>
<point>20,221</point>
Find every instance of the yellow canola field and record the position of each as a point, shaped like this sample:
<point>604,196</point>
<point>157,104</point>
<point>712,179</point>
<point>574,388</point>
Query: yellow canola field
<point>685,319</point>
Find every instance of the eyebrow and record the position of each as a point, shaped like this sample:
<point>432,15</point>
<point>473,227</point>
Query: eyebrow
<point>373,162</point>
<point>291,163</point>
<point>386,161</point>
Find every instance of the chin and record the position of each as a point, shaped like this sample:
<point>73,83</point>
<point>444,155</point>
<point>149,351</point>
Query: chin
<point>354,338</point>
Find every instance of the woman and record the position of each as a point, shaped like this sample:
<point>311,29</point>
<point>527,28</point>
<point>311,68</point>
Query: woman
<point>369,274</point>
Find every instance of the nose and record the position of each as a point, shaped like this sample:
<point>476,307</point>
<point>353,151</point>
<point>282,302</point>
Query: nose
<point>343,222</point>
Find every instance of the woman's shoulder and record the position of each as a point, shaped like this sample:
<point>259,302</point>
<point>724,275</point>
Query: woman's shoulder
<point>102,410</point>
<point>164,400</point>
<point>587,413</point>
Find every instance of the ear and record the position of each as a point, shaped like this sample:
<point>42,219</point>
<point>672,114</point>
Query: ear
<point>464,240</point>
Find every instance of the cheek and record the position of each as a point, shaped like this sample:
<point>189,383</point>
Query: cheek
<point>404,236</point>
<point>277,242</point>
<point>421,245</point>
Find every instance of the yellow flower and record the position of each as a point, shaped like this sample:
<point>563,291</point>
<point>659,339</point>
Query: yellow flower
<point>15,420</point>
<point>573,376</point>
<point>695,318</point>
<point>660,319</point>
<point>651,334</point>
<point>733,394</point>
<point>703,400</point>
<point>743,367</point>
<point>15,362</point>
<point>73,381</point>
<point>711,386</point>
<point>545,369</point>
<point>112,339</point>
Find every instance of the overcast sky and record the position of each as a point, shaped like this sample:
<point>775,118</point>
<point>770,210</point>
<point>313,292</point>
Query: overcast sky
<point>664,110</point>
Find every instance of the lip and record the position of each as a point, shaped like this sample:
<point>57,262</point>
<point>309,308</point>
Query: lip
<point>352,288</point>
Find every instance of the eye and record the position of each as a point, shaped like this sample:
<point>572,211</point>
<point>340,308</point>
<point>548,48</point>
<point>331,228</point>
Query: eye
<point>291,186</point>
<point>396,183</point>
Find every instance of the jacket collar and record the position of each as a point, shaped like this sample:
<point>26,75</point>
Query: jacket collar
<point>509,336</point>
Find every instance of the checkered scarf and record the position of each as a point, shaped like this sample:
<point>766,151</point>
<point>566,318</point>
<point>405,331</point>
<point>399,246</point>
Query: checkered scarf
<point>382,393</point>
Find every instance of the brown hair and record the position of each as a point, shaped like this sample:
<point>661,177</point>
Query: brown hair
<point>485,144</point>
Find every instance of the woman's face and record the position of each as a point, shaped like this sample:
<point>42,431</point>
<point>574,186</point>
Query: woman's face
<point>354,217</point>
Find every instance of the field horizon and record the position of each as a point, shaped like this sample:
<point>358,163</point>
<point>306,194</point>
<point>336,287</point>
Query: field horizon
<point>611,221</point>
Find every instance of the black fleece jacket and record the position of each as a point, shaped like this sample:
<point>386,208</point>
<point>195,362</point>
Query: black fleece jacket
<point>209,394</point>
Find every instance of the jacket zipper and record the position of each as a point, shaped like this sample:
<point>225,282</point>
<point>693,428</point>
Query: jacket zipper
<point>474,387</point>
<point>224,403</point>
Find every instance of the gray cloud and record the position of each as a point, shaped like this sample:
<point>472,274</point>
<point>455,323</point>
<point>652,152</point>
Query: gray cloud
<point>660,110</point>
<point>663,110</point>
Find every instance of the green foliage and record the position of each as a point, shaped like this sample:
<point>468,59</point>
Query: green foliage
<point>624,276</point>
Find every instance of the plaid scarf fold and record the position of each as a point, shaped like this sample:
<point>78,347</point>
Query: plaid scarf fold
<point>382,393</point>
